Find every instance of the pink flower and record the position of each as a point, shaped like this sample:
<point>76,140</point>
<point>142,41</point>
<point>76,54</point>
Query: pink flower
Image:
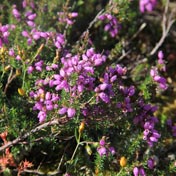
<point>71,112</point>
<point>42,116</point>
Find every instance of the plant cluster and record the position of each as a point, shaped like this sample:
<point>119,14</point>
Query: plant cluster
<point>82,87</point>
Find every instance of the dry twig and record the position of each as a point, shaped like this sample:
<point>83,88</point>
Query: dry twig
<point>167,23</point>
<point>36,129</point>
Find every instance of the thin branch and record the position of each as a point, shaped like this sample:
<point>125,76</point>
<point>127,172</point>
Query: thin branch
<point>91,24</point>
<point>165,28</point>
<point>95,19</point>
<point>36,129</point>
<point>38,172</point>
<point>124,54</point>
<point>9,80</point>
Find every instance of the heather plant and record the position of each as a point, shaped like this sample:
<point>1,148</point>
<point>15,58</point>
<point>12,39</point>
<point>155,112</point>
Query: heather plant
<point>83,88</point>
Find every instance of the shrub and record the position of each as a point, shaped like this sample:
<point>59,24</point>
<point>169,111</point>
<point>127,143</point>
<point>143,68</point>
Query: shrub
<point>83,87</point>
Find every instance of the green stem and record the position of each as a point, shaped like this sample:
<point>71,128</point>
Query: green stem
<point>120,172</point>
<point>78,143</point>
<point>24,75</point>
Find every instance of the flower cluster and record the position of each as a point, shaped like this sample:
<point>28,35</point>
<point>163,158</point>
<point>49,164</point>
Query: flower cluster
<point>161,81</point>
<point>37,66</point>
<point>29,16</point>
<point>161,64</point>
<point>45,101</point>
<point>139,171</point>
<point>59,40</point>
<point>127,92</point>
<point>79,67</point>
<point>112,25</point>
<point>152,162</point>
<point>75,76</point>
<point>154,72</point>
<point>67,110</point>
<point>67,18</point>
<point>35,35</point>
<point>150,134</point>
<point>104,90</point>
<point>147,5</point>
<point>16,13</point>
<point>104,149</point>
<point>147,121</point>
<point>29,3</point>
<point>4,33</point>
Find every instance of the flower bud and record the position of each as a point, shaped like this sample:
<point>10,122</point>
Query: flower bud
<point>123,161</point>
<point>21,91</point>
<point>81,127</point>
<point>95,144</point>
<point>18,72</point>
<point>2,50</point>
<point>88,149</point>
<point>7,68</point>
<point>135,171</point>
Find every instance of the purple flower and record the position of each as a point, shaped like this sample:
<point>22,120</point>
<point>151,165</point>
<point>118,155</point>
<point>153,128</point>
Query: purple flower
<point>67,18</point>
<point>59,41</point>
<point>71,112</point>
<point>36,35</point>
<point>161,56</point>
<point>135,171</point>
<point>30,23</point>
<point>125,106</point>
<point>4,33</point>
<point>63,110</point>
<point>30,69</point>
<point>120,70</point>
<point>174,131</point>
<point>18,57</point>
<point>67,174</point>
<point>11,52</point>
<point>102,142</point>
<point>112,25</point>
<point>161,81</point>
<point>147,5</point>
<point>49,105</point>
<point>48,96</point>
<point>28,13</point>
<point>150,163</point>
<point>16,13</point>
<point>102,151</point>
<point>25,34</point>
<point>44,34</point>
<point>151,136</point>
<point>139,171</point>
<point>32,16</point>
<point>32,5</point>
<point>38,65</point>
<point>42,116</point>
<point>24,4</point>
<point>104,97</point>
<point>112,150</point>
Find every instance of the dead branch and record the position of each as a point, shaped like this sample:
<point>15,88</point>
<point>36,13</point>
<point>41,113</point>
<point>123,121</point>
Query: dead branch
<point>36,129</point>
<point>167,23</point>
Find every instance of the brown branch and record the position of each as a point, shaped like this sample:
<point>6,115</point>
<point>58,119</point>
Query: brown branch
<point>9,80</point>
<point>36,129</point>
<point>167,23</point>
<point>38,172</point>
<point>90,25</point>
